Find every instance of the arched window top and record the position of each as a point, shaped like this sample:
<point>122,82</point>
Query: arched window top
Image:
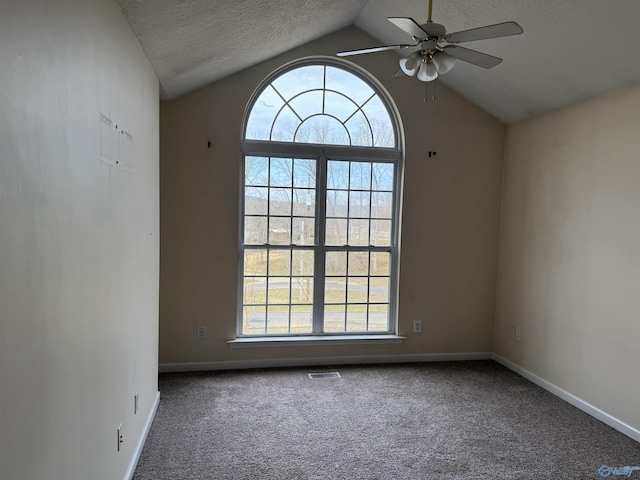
<point>321,102</point>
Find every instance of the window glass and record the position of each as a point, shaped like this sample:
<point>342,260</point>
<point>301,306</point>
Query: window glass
<point>323,105</point>
<point>318,238</point>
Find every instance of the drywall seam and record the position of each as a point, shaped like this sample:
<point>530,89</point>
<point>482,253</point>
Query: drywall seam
<point>586,407</point>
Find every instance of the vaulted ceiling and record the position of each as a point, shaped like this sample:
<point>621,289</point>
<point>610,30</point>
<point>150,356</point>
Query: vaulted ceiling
<point>570,49</point>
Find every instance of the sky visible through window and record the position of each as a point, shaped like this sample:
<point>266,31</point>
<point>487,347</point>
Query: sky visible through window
<point>321,104</point>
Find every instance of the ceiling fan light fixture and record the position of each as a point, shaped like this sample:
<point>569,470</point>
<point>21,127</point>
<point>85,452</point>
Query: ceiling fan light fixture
<point>443,62</point>
<point>432,39</point>
<point>410,65</point>
<point>427,71</point>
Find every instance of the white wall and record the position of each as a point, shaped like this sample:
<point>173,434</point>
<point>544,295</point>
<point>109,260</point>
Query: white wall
<point>450,218</point>
<point>569,262</point>
<point>78,241</point>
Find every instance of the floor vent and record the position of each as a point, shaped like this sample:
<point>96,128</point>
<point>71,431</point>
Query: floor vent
<point>324,375</point>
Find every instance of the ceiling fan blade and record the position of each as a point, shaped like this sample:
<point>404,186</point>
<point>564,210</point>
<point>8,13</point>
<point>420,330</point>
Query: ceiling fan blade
<point>410,26</point>
<point>482,33</point>
<point>373,50</point>
<point>472,56</point>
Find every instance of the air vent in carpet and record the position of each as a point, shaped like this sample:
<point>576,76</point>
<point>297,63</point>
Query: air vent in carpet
<point>324,375</point>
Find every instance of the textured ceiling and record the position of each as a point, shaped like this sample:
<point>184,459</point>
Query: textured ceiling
<point>570,49</point>
<point>193,42</point>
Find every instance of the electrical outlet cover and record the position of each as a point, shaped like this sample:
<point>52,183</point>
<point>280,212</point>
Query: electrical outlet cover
<point>120,437</point>
<point>202,331</point>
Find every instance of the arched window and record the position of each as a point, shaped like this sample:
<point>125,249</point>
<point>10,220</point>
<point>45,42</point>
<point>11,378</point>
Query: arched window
<point>321,104</point>
<point>320,204</point>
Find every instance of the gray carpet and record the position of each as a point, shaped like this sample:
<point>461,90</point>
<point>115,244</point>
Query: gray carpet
<point>450,420</point>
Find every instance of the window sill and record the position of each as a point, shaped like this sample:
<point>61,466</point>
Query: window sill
<point>332,340</point>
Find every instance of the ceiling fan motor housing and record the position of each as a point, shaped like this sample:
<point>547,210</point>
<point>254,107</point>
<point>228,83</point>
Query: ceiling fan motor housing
<point>434,30</point>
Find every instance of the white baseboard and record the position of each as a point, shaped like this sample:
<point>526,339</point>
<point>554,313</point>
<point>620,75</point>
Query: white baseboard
<point>143,438</point>
<point>319,361</point>
<point>570,398</point>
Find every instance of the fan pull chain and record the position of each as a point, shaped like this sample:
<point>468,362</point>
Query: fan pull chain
<point>426,91</point>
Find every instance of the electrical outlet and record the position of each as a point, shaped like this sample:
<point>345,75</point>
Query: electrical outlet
<point>135,403</point>
<point>417,326</point>
<point>120,437</point>
<point>517,334</point>
<point>202,331</point>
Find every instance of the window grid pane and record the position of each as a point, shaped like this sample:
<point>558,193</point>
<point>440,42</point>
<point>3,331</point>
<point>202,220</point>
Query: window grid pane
<point>277,293</point>
<point>368,212</point>
<point>322,105</point>
<point>363,294</point>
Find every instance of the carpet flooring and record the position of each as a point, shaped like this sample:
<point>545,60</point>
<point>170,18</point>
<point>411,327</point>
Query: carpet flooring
<point>448,420</point>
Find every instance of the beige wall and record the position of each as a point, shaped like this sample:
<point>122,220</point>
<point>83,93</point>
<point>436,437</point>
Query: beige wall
<point>78,241</point>
<point>450,220</point>
<point>569,268</point>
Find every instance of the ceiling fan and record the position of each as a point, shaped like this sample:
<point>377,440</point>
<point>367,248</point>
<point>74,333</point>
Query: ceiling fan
<point>438,50</point>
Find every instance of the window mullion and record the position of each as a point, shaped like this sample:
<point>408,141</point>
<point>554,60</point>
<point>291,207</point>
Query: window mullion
<point>394,252</point>
<point>368,288</point>
<point>319,267</point>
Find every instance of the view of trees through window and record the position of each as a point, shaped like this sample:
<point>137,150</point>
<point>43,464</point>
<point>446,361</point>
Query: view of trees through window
<point>318,237</point>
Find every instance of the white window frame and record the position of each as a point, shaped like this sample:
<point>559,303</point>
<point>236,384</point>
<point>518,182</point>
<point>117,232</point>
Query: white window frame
<point>322,154</point>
